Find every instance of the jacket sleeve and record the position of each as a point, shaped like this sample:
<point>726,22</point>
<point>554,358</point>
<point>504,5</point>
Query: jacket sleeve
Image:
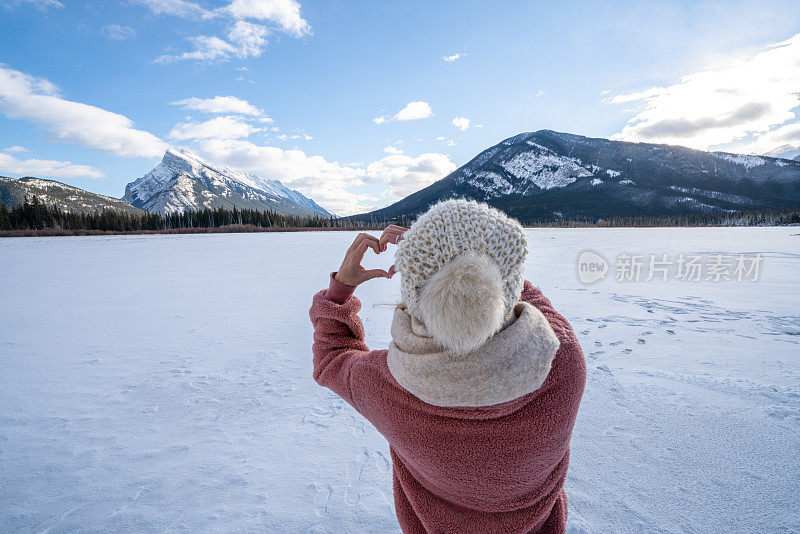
<point>338,338</point>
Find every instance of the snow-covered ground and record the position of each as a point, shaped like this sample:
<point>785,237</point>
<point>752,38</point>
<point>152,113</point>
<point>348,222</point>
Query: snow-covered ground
<point>163,383</point>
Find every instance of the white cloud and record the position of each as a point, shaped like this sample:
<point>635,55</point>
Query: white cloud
<point>454,57</point>
<point>750,98</point>
<point>45,168</point>
<point>324,181</point>
<point>249,39</point>
<point>220,105</point>
<point>178,8</point>
<point>244,39</point>
<point>41,4</point>
<point>205,49</point>
<point>413,111</point>
<point>330,183</point>
<point>440,138</point>
<point>284,13</point>
<point>450,142</point>
<point>406,174</point>
<point>15,149</point>
<point>119,33</point>
<point>35,99</point>
<point>781,137</point>
<point>392,150</point>
<point>462,123</point>
<point>226,127</point>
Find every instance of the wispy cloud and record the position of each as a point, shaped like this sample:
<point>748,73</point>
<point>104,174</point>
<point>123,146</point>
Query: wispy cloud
<point>243,38</point>
<point>45,168</point>
<point>226,127</point>
<point>35,99</point>
<point>41,4</point>
<point>16,149</point>
<point>412,111</point>
<point>178,8</point>
<point>749,101</point>
<point>454,57</point>
<point>284,13</point>
<point>221,105</point>
<point>119,33</point>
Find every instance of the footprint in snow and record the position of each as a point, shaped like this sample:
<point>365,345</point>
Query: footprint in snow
<point>641,341</point>
<point>382,462</point>
<point>322,496</point>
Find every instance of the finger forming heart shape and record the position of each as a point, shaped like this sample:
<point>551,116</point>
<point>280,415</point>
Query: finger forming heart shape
<point>351,272</point>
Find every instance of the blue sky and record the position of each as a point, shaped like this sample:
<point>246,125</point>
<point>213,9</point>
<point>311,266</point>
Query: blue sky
<point>354,103</point>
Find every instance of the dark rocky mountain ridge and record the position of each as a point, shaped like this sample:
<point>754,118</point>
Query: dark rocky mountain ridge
<point>52,193</point>
<point>547,175</point>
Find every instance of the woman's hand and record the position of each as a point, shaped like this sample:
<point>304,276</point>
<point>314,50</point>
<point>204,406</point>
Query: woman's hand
<point>391,234</point>
<point>351,272</point>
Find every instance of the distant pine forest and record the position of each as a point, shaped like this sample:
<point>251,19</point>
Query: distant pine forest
<point>33,218</point>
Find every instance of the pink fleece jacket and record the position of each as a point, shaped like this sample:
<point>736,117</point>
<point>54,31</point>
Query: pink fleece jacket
<point>497,468</point>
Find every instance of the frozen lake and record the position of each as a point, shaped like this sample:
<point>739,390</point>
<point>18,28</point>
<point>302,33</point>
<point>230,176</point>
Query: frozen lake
<point>163,383</point>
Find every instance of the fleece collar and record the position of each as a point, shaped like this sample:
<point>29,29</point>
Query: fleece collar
<point>512,363</point>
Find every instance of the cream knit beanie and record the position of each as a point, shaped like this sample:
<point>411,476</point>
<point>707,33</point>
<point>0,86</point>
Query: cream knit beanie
<point>462,267</point>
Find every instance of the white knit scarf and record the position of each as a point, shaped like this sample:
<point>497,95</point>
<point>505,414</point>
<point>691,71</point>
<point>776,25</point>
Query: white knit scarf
<point>512,363</point>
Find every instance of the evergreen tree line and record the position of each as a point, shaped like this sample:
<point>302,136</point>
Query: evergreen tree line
<point>747,218</point>
<point>34,215</point>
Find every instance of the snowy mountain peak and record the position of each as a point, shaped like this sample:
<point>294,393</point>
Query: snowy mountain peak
<point>785,152</point>
<point>527,167</point>
<point>547,175</point>
<point>185,181</point>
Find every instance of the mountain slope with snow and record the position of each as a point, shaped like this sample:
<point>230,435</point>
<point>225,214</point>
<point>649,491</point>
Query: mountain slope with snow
<point>785,152</point>
<point>13,192</point>
<point>547,175</point>
<point>184,181</point>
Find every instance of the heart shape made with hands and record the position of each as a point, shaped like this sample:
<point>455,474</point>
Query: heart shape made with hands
<point>353,272</point>
<point>378,260</point>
